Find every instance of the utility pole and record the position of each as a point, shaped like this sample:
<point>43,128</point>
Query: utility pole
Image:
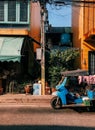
<point>43,19</point>
<point>43,48</point>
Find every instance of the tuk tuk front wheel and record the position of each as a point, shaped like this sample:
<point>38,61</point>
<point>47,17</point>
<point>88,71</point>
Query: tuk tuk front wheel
<point>56,102</point>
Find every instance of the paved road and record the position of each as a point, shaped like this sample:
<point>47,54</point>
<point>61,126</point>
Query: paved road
<point>41,118</point>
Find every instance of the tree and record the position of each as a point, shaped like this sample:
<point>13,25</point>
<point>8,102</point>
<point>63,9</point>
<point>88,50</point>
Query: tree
<point>59,61</point>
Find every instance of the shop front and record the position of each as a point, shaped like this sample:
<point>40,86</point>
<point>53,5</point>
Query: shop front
<point>16,59</point>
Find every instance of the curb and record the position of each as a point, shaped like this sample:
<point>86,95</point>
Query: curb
<point>25,100</point>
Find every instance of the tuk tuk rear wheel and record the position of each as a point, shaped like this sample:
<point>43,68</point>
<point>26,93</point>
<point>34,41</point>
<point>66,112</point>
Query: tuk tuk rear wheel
<point>91,109</point>
<point>56,103</point>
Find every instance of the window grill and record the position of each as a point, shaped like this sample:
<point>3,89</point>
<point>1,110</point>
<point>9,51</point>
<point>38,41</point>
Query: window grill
<point>1,10</point>
<point>91,62</point>
<point>14,12</point>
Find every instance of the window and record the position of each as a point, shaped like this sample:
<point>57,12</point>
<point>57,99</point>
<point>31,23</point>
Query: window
<point>14,11</point>
<point>91,62</point>
<point>1,10</point>
<point>11,10</point>
<point>23,11</point>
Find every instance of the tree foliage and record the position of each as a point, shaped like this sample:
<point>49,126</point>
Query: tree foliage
<point>60,61</point>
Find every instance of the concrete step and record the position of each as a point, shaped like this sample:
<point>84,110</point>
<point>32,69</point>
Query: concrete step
<point>24,99</point>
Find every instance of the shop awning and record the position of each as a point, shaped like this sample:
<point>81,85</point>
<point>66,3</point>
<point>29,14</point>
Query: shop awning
<point>10,48</point>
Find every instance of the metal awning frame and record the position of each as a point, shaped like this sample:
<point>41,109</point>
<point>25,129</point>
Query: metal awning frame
<point>77,72</point>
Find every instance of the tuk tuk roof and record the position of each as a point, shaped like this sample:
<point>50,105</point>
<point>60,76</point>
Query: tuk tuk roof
<point>78,72</point>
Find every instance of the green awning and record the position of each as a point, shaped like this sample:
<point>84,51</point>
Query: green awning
<point>10,48</point>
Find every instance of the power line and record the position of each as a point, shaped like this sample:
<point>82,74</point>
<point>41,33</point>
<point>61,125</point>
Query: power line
<point>66,2</point>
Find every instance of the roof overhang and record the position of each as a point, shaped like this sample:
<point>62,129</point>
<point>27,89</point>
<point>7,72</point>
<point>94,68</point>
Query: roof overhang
<point>90,39</point>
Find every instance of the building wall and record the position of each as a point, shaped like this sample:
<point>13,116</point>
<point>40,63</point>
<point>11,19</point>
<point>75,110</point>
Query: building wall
<point>83,25</point>
<point>13,31</point>
<point>89,28</point>
<point>35,23</point>
<point>77,29</point>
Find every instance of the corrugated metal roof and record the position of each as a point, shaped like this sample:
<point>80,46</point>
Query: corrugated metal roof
<point>77,72</point>
<point>60,30</point>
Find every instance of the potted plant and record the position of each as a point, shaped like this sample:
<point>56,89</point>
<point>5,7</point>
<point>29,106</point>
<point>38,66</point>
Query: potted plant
<point>27,88</point>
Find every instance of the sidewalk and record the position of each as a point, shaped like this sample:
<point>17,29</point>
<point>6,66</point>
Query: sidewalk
<point>25,100</point>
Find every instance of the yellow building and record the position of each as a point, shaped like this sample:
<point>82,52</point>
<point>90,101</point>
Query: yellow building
<point>83,27</point>
<point>20,18</point>
<point>20,23</point>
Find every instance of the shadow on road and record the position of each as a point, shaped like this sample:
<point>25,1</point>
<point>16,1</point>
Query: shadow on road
<point>44,127</point>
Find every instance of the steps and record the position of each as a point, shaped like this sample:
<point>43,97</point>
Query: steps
<point>23,99</point>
